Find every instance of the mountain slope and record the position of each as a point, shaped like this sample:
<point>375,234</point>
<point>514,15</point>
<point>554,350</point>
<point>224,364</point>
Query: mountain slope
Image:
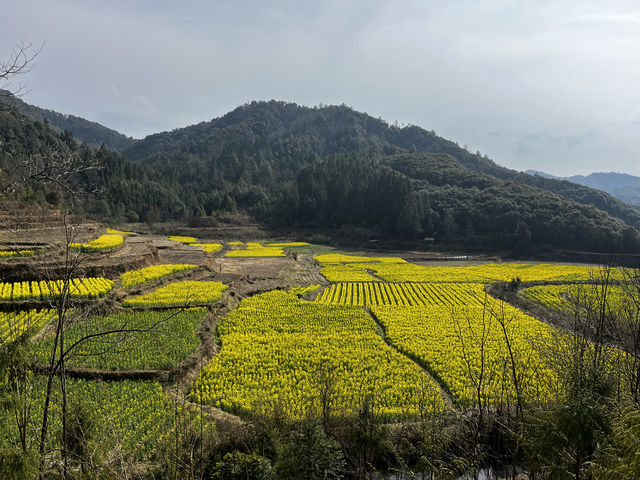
<point>124,191</point>
<point>91,133</point>
<point>266,141</point>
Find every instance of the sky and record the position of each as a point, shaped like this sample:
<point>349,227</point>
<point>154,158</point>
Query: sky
<point>545,85</point>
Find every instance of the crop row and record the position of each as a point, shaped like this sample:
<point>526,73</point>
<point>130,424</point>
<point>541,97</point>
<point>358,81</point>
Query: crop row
<point>180,294</point>
<point>138,340</point>
<point>149,274</point>
<point>278,350</point>
<point>100,244</point>
<point>12,325</point>
<point>402,294</point>
<point>46,290</point>
<point>17,253</point>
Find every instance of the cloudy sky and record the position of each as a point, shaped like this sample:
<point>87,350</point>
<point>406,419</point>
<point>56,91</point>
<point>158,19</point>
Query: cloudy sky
<point>546,85</point>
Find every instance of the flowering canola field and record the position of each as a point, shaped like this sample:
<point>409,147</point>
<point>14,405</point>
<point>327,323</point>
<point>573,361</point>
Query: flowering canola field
<point>12,325</point>
<point>345,268</point>
<point>46,290</point>
<point>567,298</point>
<point>157,340</point>
<point>134,415</point>
<point>154,272</point>
<point>179,293</point>
<point>254,249</point>
<point>445,325</point>
<point>459,344</point>
<point>276,350</point>
<point>100,244</point>
<point>401,294</point>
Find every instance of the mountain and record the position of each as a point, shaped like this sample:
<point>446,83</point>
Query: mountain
<point>37,164</point>
<point>327,168</point>
<point>332,166</point>
<point>623,186</point>
<point>91,133</point>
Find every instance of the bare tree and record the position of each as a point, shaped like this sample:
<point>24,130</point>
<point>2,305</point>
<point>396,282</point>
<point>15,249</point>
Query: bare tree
<point>21,61</point>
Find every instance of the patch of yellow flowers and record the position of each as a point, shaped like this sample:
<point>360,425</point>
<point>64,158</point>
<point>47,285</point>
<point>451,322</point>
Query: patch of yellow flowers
<point>154,272</point>
<point>255,249</point>
<point>16,253</point>
<point>119,232</point>
<point>12,325</point>
<point>180,293</point>
<point>281,351</point>
<point>348,268</point>
<point>287,244</point>
<point>466,347</point>
<point>182,239</point>
<point>100,244</point>
<point>401,294</point>
<point>208,247</point>
<point>44,290</point>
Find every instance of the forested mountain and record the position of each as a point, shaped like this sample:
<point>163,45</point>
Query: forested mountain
<point>121,190</point>
<point>623,186</point>
<point>292,166</point>
<point>327,167</point>
<point>86,131</point>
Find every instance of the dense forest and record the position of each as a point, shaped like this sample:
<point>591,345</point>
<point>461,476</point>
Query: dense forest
<point>331,167</point>
<point>88,132</point>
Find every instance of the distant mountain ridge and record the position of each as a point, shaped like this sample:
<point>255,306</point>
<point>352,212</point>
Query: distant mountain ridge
<point>91,133</point>
<point>621,185</point>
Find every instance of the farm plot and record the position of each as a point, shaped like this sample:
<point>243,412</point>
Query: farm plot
<point>487,273</point>
<point>568,298</point>
<point>45,290</point>
<point>208,247</point>
<point>345,268</point>
<point>179,294</point>
<point>183,239</point>
<point>465,347</point>
<point>133,416</point>
<point>12,325</point>
<point>140,340</point>
<point>154,272</point>
<point>100,244</point>
<point>254,249</point>
<point>281,352</point>
<point>402,294</point>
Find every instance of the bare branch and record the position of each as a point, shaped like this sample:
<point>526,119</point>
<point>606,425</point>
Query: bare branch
<point>21,61</point>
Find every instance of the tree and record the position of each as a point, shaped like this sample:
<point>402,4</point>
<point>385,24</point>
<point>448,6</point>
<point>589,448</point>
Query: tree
<point>20,61</point>
<point>522,238</point>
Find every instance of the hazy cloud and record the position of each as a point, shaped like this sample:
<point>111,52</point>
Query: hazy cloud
<point>544,85</point>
